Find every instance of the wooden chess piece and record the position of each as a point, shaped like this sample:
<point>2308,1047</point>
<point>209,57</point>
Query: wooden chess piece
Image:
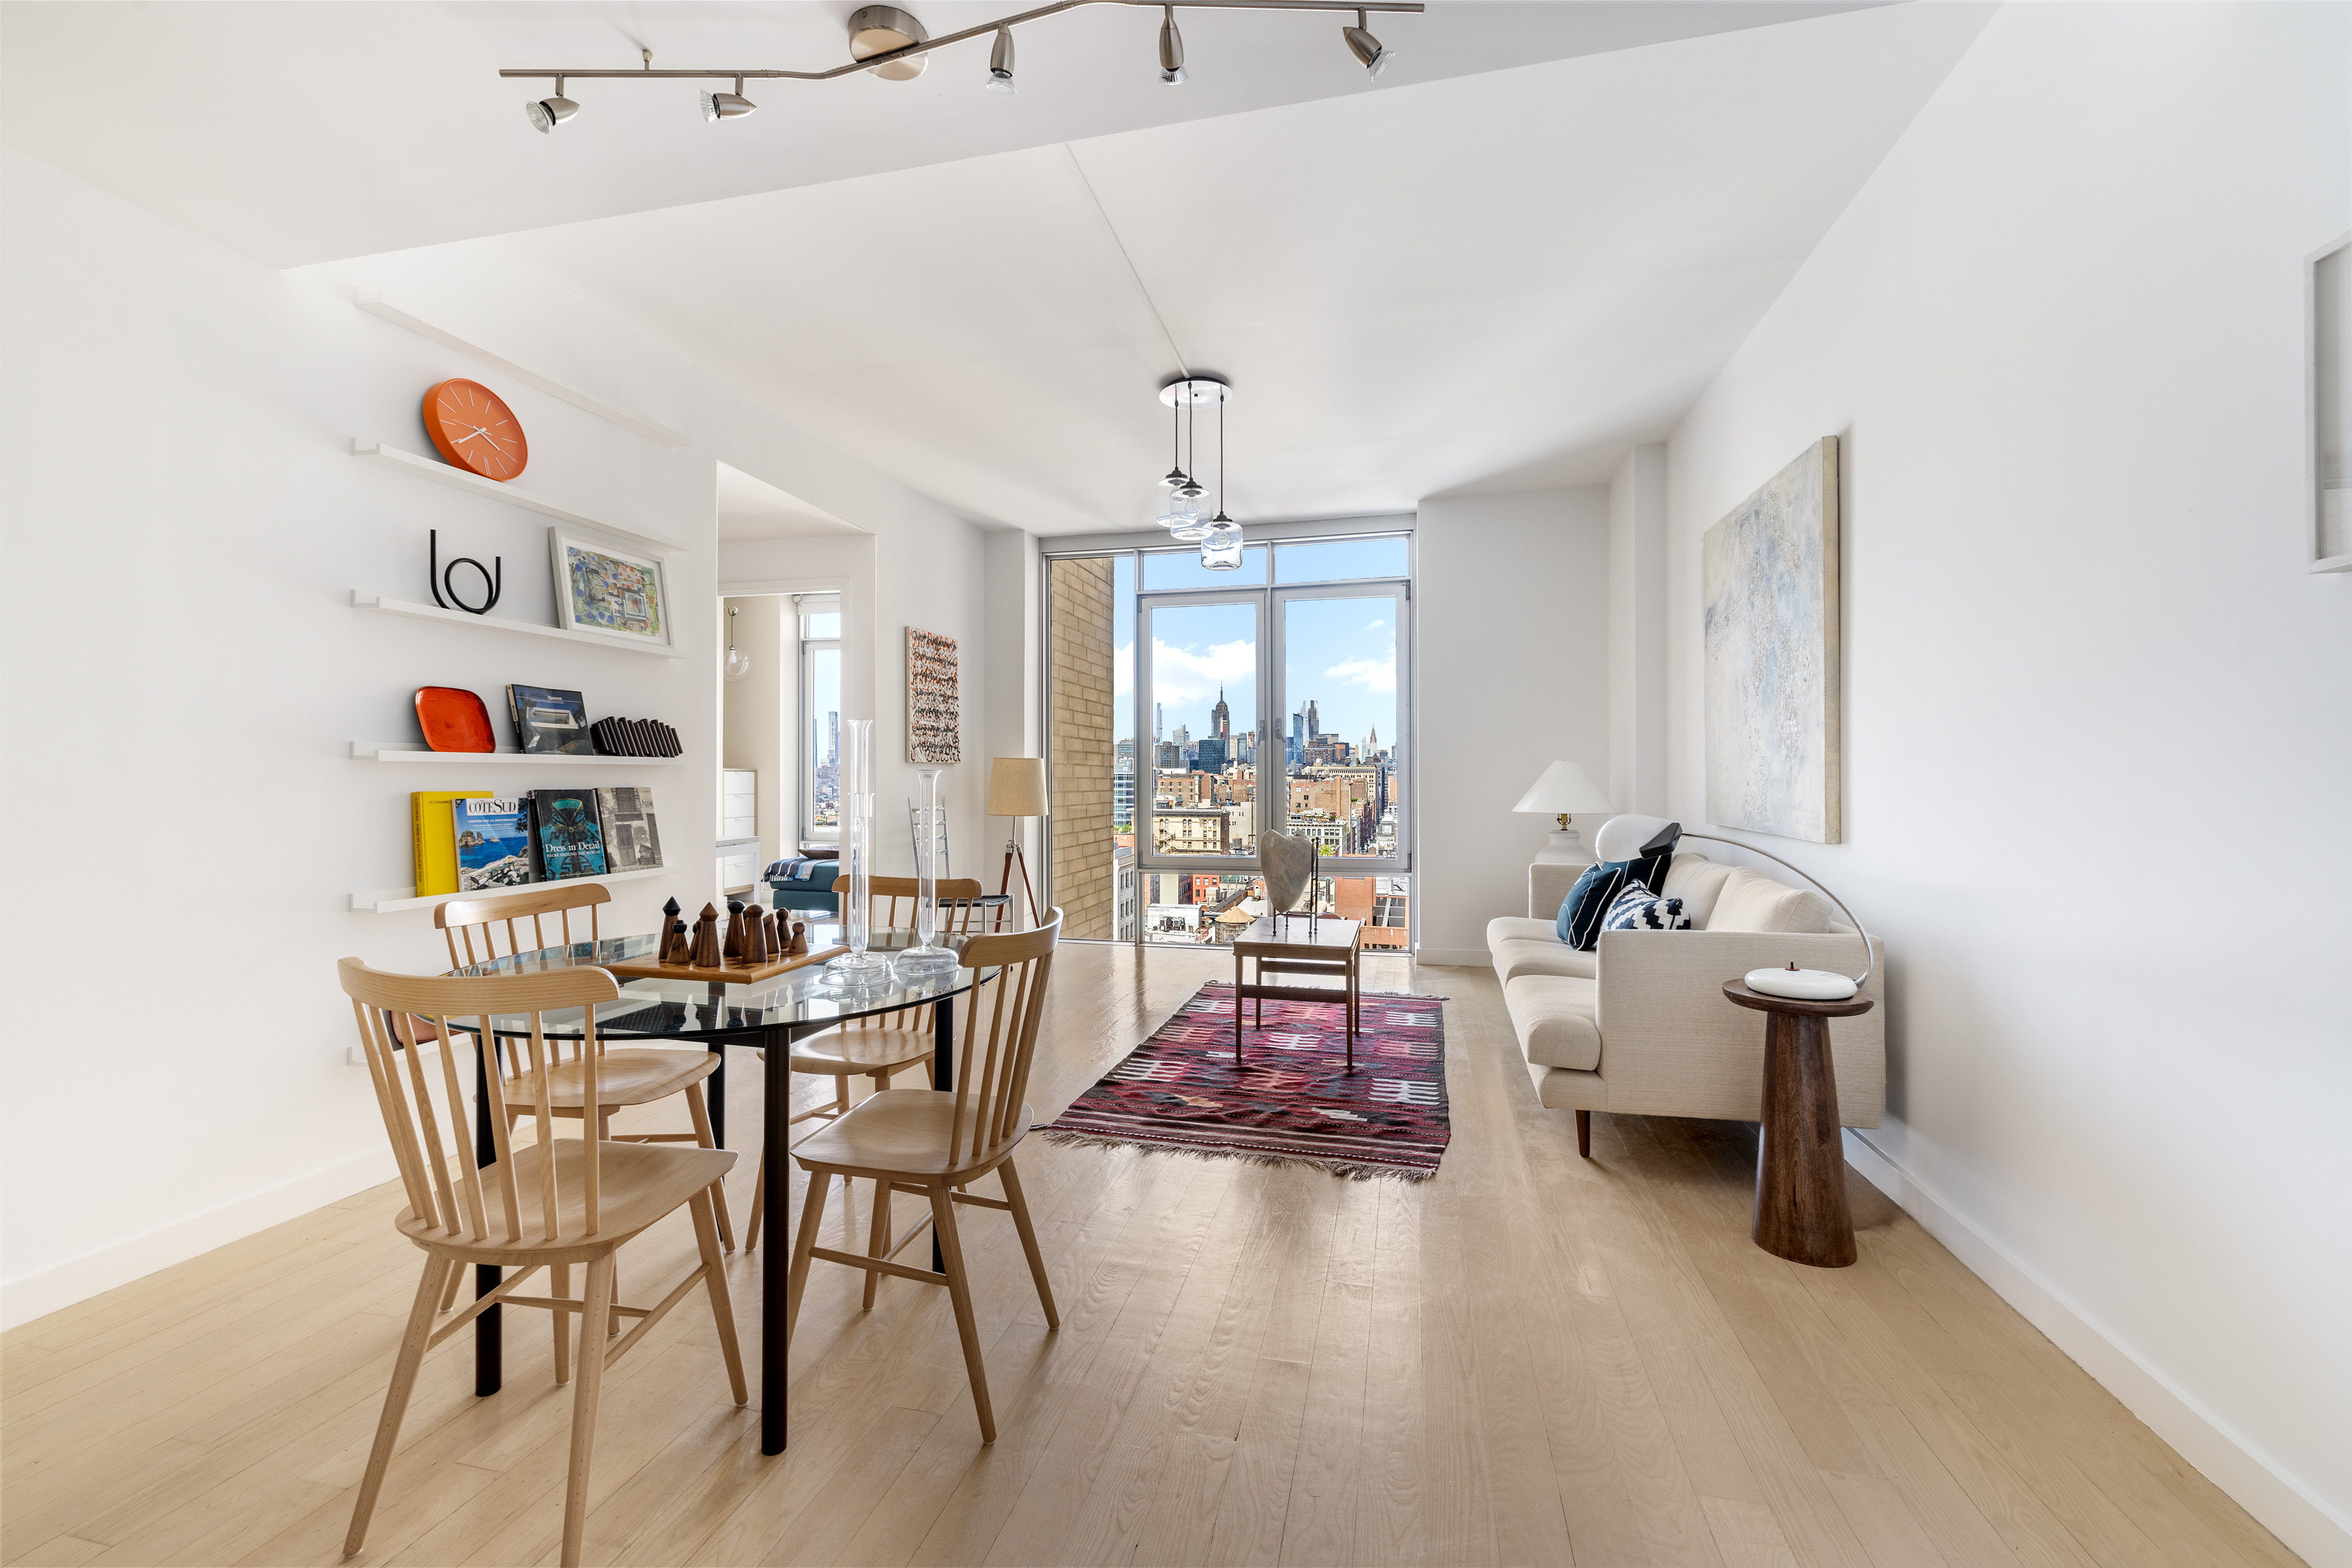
<point>800,938</point>
<point>755,939</point>
<point>776,933</point>
<point>734,948</point>
<point>670,927</point>
<point>707,952</point>
<point>679,947</point>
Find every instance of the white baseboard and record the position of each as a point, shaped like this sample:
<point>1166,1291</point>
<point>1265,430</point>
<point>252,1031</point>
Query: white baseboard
<point>45,1290</point>
<point>2287,1507</point>
<point>1454,957</point>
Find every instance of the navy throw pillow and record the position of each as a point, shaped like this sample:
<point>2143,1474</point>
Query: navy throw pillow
<point>1588,903</point>
<point>1638,908</point>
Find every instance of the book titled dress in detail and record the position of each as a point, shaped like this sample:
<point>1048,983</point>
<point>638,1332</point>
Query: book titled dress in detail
<point>493,840</point>
<point>632,838</point>
<point>571,839</point>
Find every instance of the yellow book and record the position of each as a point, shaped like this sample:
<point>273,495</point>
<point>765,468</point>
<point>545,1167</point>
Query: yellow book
<point>435,834</point>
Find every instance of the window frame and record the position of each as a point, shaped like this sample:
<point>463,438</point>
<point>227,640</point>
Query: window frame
<point>810,831</point>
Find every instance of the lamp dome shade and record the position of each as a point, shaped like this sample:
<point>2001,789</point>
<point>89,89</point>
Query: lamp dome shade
<point>1564,790</point>
<point>1622,838</point>
<point>1016,786</point>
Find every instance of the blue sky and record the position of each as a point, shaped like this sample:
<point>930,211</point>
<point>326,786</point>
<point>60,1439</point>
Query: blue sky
<point>1342,652</point>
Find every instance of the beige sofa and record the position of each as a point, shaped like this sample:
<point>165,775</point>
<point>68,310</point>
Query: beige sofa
<point>1642,1026</point>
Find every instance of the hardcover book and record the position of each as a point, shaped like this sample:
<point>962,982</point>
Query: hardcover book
<point>549,721</point>
<point>632,838</point>
<point>493,843</point>
<point>429,832</point>
<point>570,840</point>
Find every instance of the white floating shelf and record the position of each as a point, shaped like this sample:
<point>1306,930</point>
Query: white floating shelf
<point>472,483</point>
<point>2331,563</point>
<point>391,901</point>
<point>411,752</point>
<point>435,613</point>
<point>375,304</point>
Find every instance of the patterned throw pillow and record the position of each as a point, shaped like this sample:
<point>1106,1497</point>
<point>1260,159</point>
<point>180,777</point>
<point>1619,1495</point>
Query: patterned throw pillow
<point>1580,915</point>
<point>1638,908</point>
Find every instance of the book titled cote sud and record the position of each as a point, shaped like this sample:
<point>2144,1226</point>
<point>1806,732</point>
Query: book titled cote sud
<point>493,837</point>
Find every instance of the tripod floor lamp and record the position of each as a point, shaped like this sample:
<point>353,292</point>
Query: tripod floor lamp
<point>1017,788</point>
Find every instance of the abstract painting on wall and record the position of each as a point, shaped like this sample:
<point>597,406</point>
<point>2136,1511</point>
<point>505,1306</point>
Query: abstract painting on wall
<point>933,733</point>
<point>1771,583</point>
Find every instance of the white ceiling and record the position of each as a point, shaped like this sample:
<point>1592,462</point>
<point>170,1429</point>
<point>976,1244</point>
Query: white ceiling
<point>1491,282</point>
<point>1474,275</point>
<point>752,507</point>
<point>304,132</point>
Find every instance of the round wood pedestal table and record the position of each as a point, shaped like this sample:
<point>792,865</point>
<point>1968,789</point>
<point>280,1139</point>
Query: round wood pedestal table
<point>1800,1207</point>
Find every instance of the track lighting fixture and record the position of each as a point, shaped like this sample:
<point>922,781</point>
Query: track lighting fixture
<point>719,106</point>
<point>886,42</point>
<point>547,113</point>
<point>1171,49</point>
<point>1000,62</point>
<point>1368,51</point>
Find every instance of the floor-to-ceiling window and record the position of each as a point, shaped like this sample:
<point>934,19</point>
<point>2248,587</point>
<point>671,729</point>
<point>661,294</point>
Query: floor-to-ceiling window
<point>1189,710</point>
<point>820,646</point>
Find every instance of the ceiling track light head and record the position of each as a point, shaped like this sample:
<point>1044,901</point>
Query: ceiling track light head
<point>1000,62</point>
<point>719,106</point>
<point>1370,52</point>
<point>879,30</point>
<point>1172,49</point>
<point>547,113</point>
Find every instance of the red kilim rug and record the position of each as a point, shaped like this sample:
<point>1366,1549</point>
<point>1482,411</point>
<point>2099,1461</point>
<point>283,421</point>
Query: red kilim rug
<point>1293,1100</point>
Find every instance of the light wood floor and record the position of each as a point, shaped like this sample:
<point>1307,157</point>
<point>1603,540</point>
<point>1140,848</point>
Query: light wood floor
<point>1529,1359</point>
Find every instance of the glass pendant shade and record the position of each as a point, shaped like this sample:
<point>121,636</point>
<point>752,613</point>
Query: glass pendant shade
<point>1188,513</point>
<point>738,663</point>
<point>1221,544</point>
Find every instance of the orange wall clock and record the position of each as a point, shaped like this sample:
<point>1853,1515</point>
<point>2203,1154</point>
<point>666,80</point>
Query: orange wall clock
<point>475,430</point>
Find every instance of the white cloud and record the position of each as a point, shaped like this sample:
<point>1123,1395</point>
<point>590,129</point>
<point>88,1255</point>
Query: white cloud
<point>1374,625</point>
<point>1372,674</point>
<point>1183,678</point>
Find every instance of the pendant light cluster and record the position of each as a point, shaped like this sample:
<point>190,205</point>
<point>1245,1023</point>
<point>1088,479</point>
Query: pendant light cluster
<point>891,43</point>
<point>1183,500</point>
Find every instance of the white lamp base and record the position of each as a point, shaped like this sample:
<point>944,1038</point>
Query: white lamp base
<point>1802,985</point>
<point>1564,849</point>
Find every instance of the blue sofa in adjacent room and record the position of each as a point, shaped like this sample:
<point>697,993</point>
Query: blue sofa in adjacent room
<point>803,884</point>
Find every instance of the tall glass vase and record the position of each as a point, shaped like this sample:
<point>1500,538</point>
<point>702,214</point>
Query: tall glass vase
<point>857,967</point>
<point>927,955</point>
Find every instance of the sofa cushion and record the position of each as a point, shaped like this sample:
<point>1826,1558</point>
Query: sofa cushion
<point>1557,1019</point>
<point>1698,881</point>
<point>1580,916</point>
<point>1512,928</point>
<point>1752,902</point>
<point>1541,955</point>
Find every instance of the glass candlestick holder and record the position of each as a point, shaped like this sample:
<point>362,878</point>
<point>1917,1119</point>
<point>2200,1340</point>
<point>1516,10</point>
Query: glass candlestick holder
<point>926,956</point>
<point>857,969</point>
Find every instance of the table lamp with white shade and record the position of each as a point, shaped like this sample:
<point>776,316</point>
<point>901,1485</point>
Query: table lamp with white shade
<point>1633,837</point>
<point>1017,788</point>
<point>1564,791</point>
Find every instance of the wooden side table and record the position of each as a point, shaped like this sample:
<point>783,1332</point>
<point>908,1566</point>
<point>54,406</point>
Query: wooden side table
<point>1296,945</point>
<point>1800,1207</point>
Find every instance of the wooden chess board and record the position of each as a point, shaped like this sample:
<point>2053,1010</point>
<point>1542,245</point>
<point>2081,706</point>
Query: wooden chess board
<point>733,973</point>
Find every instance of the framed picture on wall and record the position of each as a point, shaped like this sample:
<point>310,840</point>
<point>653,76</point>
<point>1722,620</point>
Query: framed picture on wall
<point>603,591</point>
<point>2327,311</point>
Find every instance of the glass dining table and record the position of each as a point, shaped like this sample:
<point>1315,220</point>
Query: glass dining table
<point>770,1014</point>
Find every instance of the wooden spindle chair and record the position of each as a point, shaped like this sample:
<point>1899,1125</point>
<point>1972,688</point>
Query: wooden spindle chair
<point>887,1043</point>
<point>631,1075</point>
<point>936,1142</point>
<point>546,1205</point>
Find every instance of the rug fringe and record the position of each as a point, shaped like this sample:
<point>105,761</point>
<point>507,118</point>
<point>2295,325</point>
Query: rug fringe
<point>1354,1170</point>
<point>1408,996</point>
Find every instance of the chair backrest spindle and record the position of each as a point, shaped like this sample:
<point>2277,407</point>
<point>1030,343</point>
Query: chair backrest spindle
<point>460,919</point>
<point>992,1069</point>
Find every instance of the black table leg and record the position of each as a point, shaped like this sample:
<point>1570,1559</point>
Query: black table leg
<point>942,1077</point>
<point>715,1096</point>
<point>486,1357</point>
<point>775,1239</point>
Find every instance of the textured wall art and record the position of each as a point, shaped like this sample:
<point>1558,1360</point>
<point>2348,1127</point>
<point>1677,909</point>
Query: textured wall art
<point>932,732</point>
<point>1771,586</point>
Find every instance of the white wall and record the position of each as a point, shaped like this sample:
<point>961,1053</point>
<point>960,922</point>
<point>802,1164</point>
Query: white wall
<point>175,432</point>
<point>1511,657</point>
<point>1637,634</point>
<point>756,712</point>
<point>2096,756</point>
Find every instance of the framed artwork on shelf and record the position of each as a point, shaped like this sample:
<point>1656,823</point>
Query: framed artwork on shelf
<point>603,590</point>
<point>2327,294</point>
<point>549,721</point>
<point>933,722</point>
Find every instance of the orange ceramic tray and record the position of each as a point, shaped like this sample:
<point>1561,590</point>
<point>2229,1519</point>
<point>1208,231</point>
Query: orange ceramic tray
<point>453,719</point>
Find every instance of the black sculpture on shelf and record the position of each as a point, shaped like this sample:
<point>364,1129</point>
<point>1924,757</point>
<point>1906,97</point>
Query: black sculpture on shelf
<point>441,577</point>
